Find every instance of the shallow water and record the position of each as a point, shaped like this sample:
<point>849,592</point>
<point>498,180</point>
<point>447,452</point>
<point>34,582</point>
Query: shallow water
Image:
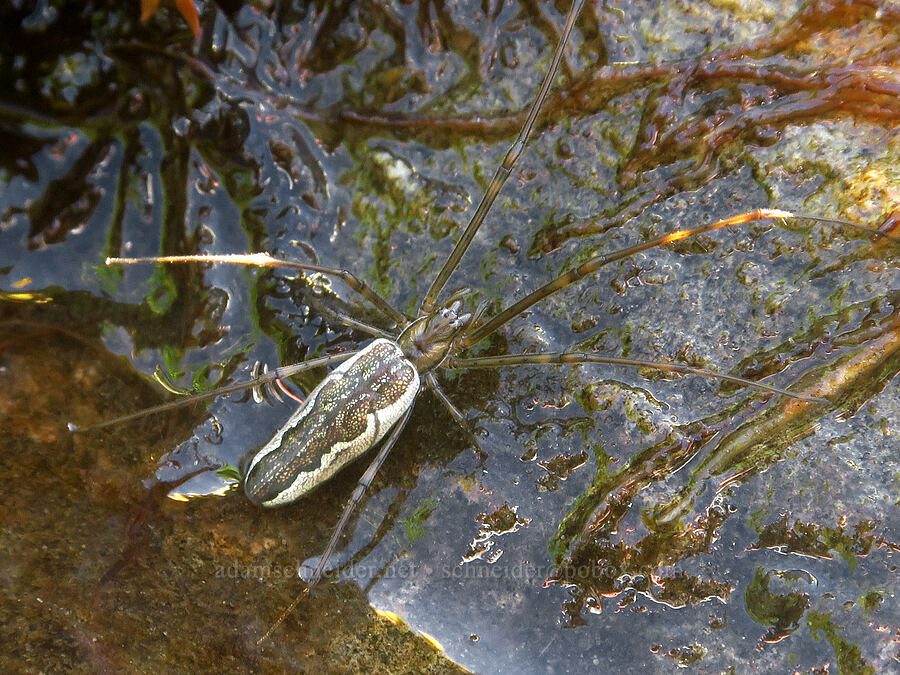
<point>610,518</point>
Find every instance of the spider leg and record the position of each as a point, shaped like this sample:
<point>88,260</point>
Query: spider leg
<point>361,326</point>
<point>582,357</point>
<point>570,277</point>
<point>364,482</point>
<point>433,384</point>
<point>503,171</point>
<point>271,376</point>
<point>265,260</point>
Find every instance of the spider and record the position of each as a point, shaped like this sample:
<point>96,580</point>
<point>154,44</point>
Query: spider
<point>368,399</point>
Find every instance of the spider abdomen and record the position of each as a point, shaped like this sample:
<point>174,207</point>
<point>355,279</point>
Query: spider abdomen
<point>346,415</point>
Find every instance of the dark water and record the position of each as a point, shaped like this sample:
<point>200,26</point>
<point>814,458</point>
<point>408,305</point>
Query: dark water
<point>611,519</point>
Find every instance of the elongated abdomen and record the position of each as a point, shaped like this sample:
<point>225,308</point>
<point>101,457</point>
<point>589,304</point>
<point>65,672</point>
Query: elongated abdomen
<point>349,412</point>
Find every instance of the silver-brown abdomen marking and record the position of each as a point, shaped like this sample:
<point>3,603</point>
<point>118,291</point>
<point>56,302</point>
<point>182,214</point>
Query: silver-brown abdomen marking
<point>349,412</point>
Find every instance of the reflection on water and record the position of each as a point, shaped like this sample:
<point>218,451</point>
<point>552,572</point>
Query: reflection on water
<point>685,522</point>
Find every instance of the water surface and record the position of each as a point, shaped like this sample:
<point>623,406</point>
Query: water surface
<point>608,518</point>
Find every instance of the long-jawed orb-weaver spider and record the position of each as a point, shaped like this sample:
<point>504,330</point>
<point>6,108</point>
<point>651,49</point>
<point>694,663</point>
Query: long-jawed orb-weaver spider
<point>465,330</point>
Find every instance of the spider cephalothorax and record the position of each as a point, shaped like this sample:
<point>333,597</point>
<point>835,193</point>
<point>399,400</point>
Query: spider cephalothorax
<point>429,339</point>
